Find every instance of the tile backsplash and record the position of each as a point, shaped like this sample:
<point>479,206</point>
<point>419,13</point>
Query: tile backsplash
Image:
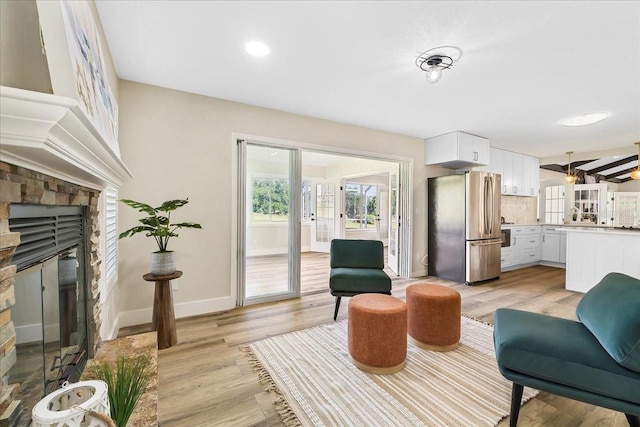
<point>519,210</point>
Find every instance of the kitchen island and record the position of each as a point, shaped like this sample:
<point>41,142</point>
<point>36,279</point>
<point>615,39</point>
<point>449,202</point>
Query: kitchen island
<point>593,252</point>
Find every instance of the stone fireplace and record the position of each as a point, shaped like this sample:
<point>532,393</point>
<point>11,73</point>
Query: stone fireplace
<point>51,155</point>
<point>26,375</point>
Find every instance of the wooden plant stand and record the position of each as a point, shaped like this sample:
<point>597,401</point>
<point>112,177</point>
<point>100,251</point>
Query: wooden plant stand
<point>164,320</point>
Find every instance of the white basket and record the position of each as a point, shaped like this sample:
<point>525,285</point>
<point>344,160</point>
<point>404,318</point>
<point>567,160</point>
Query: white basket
<point>66,406</point>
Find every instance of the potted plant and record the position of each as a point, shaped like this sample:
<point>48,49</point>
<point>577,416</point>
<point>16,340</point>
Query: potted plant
<point>158,225</point>
<point>126,382</point>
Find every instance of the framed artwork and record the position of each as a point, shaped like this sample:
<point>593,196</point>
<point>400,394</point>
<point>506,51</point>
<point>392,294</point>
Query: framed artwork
<point>89,69</point>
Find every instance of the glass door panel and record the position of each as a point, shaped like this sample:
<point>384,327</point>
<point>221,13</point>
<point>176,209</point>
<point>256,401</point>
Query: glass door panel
<point>269,215</point>
<point>383,215</point>
<point>323,226</point>
<point>392,258</point>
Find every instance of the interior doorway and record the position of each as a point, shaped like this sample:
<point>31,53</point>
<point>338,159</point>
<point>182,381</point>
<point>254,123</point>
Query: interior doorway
<point>333,195</point>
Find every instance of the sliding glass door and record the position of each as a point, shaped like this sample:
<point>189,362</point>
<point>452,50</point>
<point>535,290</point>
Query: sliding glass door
<point>270,213</point>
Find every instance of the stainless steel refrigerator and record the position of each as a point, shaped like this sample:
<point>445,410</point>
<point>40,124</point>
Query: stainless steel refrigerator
<point>464,227</point>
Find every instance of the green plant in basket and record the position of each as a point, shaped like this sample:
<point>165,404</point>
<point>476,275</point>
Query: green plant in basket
<point>126,381</point>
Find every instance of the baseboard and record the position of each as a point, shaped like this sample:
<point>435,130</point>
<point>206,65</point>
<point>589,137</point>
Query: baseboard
<point>28,333</point>
<point>553,264</point>
<point>418,273</point>
<point>185,309</point>
<point>263,252</point>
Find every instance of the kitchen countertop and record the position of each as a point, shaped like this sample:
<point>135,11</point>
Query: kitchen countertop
<point>580,227</point>
<point>607,230</point>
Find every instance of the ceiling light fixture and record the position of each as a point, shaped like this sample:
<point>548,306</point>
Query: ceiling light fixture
<point>256,48</point>
<point>635,174</point>
<point>569,179</point>
<point>433,65</point>
<point>584,119</point>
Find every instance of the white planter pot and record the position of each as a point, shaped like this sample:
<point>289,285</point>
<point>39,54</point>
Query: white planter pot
<point>163,263</point>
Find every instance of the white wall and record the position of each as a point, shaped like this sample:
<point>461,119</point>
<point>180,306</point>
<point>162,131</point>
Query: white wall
<point>180,145</point>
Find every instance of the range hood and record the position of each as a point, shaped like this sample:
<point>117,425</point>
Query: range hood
<point>52,135</point>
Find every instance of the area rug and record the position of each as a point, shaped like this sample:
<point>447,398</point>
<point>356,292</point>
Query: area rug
<point>317,384</point>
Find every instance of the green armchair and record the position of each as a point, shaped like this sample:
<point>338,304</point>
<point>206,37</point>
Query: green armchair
<point>595,360</point>
<point>357,268</point>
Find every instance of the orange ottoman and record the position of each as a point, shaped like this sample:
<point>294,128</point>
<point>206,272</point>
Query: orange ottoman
<point>377,334</point>
<point>434,316</point>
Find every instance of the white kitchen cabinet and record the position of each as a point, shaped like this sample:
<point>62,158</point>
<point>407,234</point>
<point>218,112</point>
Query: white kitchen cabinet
<point>507,258</point>
<point>550,244</point>
<point>456,150</point>
<point>591,201</point>
<point>563,246</point>
<point>531,176</point>
<point>520,173</point>
<point>524,249</point>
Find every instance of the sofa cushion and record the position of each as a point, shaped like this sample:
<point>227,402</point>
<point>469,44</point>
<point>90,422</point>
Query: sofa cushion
<point>611,311</point>
<point>359,280</point>
<point>357,253</point>
<point>560,351</point>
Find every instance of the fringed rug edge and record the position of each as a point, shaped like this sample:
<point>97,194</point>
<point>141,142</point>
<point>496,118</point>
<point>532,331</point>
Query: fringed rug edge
<point>282,407</point>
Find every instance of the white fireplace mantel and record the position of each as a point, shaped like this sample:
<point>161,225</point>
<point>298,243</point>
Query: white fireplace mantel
<point>52,135</point>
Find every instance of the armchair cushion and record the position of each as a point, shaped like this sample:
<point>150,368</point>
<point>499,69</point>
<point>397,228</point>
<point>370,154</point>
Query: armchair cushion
<point>357,254</point>
<point>611,312</point>
<point>560,353</point>
<point>358,280</point>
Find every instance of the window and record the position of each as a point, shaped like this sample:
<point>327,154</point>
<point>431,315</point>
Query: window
<point>554,204</point>
<point>111,234</point>
<point>270,200</point>
<point>360,206</point>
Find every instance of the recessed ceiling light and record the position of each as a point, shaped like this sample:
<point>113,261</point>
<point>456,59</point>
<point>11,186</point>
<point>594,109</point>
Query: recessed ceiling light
<point>583,119</point>
<point>257,48</point>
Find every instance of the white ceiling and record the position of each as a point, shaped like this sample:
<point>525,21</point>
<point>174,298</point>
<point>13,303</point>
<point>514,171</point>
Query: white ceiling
<point>524,65</point>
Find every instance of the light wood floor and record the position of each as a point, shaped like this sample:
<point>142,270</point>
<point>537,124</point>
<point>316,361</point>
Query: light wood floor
<point>268,274</point>
<point>206,380</point>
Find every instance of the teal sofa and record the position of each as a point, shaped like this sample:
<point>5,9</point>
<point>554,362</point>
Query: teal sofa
<point>357,268</point>
<point>595,360</point>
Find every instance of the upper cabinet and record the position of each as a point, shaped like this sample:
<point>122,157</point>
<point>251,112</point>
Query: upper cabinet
<point>520,173</point>
<point>456,150</point>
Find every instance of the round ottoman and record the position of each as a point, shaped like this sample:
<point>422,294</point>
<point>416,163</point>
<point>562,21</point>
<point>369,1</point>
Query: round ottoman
<point>434,316</point>
<point>377,335</point>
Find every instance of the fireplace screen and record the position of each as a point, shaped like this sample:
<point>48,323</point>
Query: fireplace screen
<point>50,313</point>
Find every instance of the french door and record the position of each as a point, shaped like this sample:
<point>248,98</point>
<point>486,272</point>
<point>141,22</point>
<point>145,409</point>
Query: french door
<point>394,223</point>
<point>382,215</point>
<point>323,216</point>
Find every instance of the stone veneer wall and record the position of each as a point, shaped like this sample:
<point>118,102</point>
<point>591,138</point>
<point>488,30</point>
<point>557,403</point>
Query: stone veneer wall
<point>20,185</point>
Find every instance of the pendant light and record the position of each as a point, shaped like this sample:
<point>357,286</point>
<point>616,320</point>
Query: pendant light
<point>569,179</point>
<point>635,174</point>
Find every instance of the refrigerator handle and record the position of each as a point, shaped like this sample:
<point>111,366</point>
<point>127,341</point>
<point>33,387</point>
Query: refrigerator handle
<point>488,207</point>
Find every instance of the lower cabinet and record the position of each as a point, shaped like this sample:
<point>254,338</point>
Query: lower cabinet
<point>550,244</point>
<point>524,249</point>
<point>554,244</point>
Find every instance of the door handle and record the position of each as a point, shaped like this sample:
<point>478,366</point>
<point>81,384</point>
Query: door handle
<point>499,242</point>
